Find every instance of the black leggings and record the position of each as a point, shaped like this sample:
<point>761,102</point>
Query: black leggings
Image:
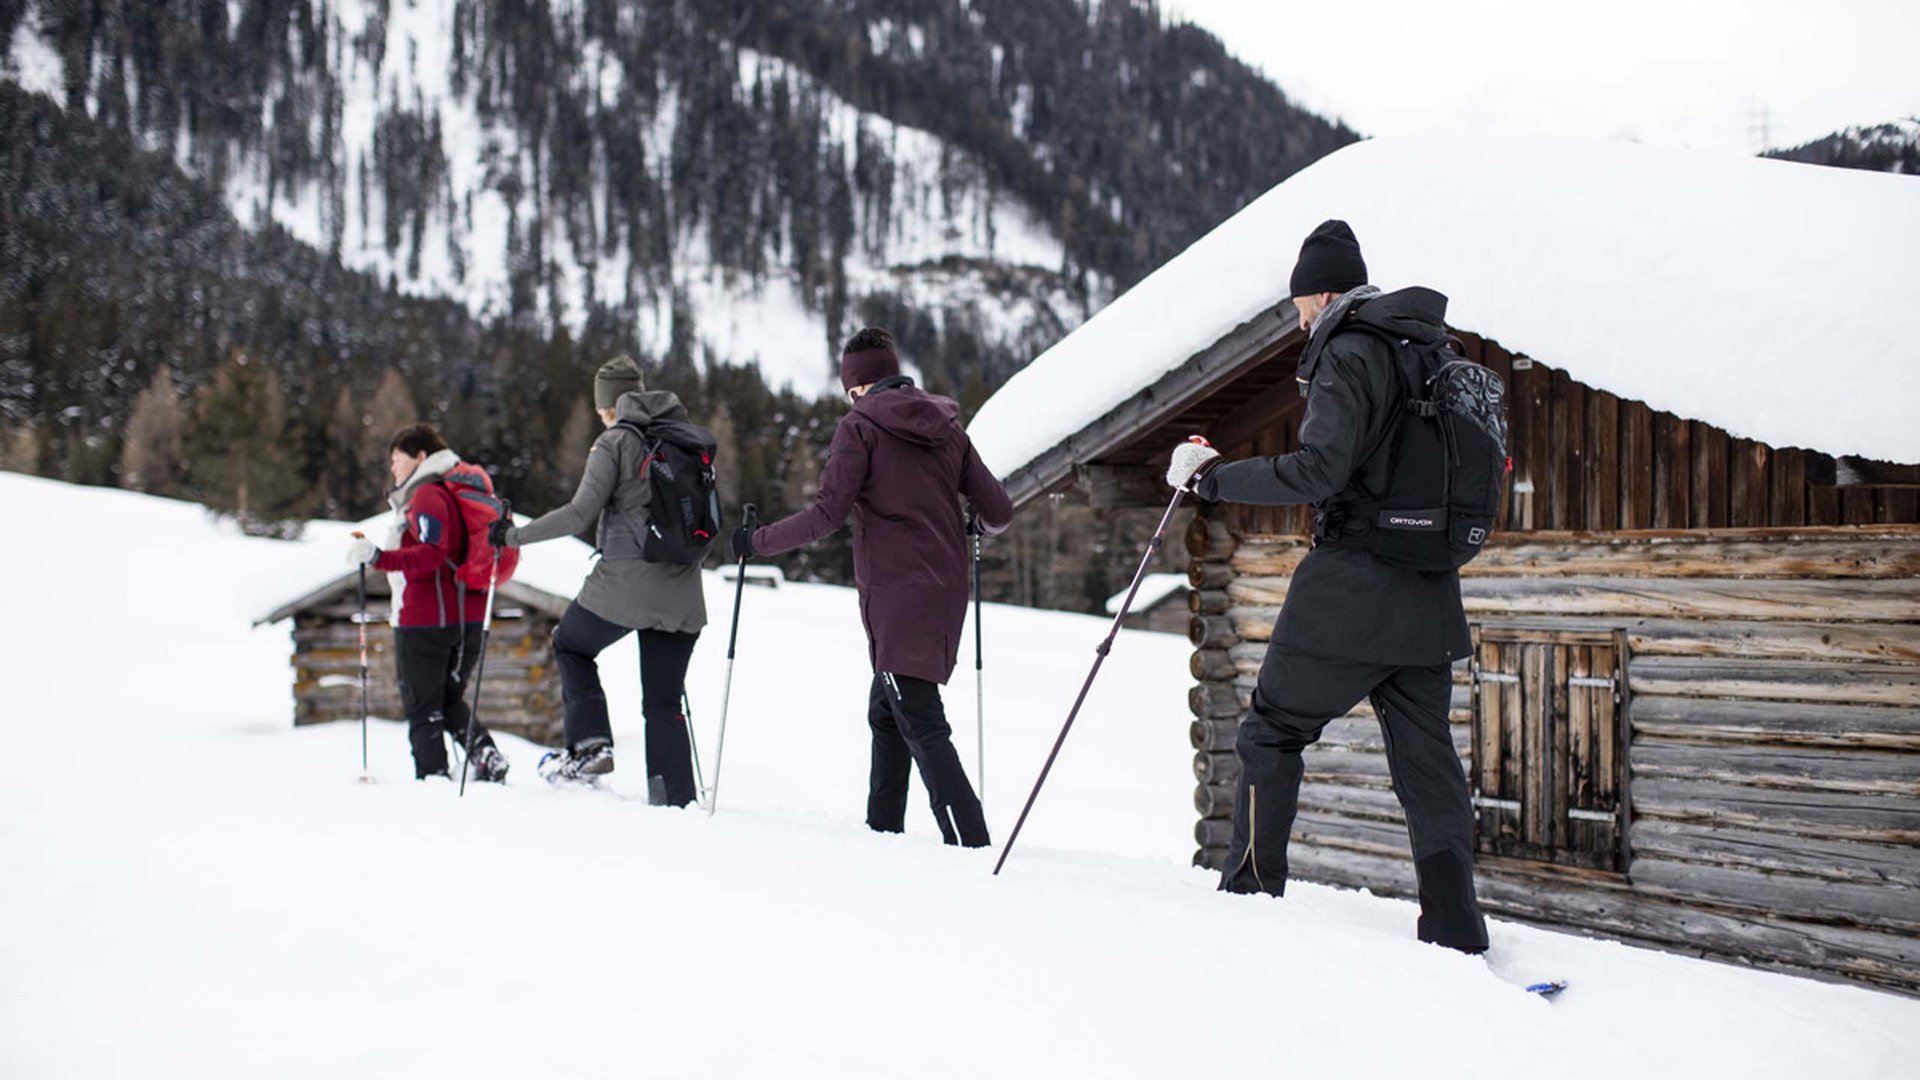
<point>577,643</point>
<point>436,665</point>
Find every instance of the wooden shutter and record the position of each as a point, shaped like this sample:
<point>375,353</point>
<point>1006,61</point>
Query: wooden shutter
<point>1548,742</point>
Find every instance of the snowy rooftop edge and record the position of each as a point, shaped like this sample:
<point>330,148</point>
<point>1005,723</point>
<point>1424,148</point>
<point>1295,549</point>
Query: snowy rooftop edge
<point>1653,273</point>
<point>1153,589</point>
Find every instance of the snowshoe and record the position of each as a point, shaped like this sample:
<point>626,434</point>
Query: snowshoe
<point>577,765</point>
<point>488,765</point>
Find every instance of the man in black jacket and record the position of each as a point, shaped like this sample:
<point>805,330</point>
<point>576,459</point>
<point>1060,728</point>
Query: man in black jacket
<point>1352,627</point>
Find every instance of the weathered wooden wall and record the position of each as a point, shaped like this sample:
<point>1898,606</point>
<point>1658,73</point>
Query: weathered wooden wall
<point>1773,715</point>
<point>520,693</point>
<point>1169,616</point>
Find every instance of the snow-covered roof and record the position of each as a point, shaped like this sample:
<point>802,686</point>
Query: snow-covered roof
<point>1153,589</point>
<point>1776,300</point>
<point>549,573</point>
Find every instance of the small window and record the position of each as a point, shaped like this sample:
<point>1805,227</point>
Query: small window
<point>1549,762</point>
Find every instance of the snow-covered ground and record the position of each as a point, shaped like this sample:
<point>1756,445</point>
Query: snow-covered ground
<point>192,888</point>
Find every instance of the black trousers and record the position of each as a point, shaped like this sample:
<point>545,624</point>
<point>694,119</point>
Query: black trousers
<point>436,664</point>
<point>1298,694</point>
<point>910,728</point>
<point>577,644</point>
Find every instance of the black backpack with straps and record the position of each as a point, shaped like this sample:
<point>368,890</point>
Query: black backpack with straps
<point>683,496</point>
<point>1448,461</point>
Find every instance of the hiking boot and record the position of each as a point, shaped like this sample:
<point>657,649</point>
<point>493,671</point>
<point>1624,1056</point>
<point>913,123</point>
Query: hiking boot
<point>578,763</point>
<point>488,765</point>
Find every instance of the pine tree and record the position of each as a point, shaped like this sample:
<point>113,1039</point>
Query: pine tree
<point>726,454</point>
<point>343,477</point>
<point>239,451</point>
<point>391,409</point>
<point>802,477</point>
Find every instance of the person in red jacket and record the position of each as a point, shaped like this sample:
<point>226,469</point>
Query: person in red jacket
<point>899,467</point>
<point>437,622</point>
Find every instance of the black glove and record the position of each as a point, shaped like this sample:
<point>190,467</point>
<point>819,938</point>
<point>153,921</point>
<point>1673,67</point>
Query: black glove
<point>973,522</point>
<point>742,542</point>
<point>497,532</point>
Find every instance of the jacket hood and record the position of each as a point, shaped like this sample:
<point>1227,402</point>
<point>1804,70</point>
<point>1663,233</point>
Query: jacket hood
<point>911,413</point>
<point>644,407</point>
<point>1417,314</point>
<point>436,466</point>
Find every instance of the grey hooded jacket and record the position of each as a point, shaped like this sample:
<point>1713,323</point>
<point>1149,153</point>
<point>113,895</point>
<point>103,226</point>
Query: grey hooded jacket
<point>626,591</point>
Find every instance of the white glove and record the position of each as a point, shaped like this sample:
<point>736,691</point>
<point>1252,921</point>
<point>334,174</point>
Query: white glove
<point>1190,459</point>
<point>362,552</point>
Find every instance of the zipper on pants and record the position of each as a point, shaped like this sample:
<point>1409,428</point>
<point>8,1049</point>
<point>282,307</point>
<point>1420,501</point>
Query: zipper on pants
<point>1253,805</point>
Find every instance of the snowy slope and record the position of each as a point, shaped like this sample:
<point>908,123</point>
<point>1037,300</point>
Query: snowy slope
<point>192,888</point>
<point>1778,301</point>
<point>397,59</point>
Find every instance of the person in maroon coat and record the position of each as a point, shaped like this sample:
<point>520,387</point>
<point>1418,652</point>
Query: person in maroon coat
<point>899,467</point>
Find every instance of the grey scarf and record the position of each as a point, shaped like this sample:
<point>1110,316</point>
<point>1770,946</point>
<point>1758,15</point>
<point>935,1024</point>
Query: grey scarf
<point>1324,324</point>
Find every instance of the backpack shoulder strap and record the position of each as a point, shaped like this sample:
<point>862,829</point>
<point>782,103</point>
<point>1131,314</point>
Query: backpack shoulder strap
<point>458,515</point>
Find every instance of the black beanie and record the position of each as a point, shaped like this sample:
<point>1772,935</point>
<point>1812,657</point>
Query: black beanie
<point>1329,261</point>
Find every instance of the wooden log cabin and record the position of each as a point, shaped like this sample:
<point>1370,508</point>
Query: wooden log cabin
<point>1691,718</point>
<point>520,693</point>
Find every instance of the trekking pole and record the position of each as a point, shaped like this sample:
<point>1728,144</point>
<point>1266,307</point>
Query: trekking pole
<point>750,517</point>
<point>486,631</point>
<point>693,748</point>
<point>365,776</point>
<point>1100,657</point>
<point>979,677</point>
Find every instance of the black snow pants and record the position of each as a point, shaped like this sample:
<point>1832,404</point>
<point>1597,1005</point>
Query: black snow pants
<point>435,666</point>
<point>1297,696</point>
<point>910,728</point>
<point>577,643</point>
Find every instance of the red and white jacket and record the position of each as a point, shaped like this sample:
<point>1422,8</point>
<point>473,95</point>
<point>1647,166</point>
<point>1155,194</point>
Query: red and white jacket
<point>426,541</point>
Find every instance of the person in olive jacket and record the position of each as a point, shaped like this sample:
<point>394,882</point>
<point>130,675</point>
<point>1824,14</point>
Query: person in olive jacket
<point>664,603</point>
<point>899,467</point>
<point>1353,627</point>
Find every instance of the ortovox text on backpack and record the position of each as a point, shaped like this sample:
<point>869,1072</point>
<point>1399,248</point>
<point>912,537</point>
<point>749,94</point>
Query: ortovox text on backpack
<point>683,498</point>
<point>1447,462</point>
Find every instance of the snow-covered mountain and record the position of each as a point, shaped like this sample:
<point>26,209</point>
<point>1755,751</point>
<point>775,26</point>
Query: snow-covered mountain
<point>700,183</point>
<point>1890,147</point>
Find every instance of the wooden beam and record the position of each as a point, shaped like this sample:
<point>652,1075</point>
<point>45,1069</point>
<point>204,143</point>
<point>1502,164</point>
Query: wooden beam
<point>1269,408</point>
<point>1270,333</point>
<point>1840,600</point>
<point>1122,487</point>
<point>1858,471</point>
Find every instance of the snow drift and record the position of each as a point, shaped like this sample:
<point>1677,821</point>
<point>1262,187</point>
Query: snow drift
<point>192,888</point>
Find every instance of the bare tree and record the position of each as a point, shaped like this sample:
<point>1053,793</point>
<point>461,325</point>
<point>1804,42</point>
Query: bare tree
<point>152,458</point>
<point>576,441</point>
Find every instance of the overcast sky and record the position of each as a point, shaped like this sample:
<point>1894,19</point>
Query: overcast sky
<point>1701,73</point>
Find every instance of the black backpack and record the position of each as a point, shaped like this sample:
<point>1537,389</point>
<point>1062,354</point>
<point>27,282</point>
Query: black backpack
<point>1448,465</point>
<point>683,500</point>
